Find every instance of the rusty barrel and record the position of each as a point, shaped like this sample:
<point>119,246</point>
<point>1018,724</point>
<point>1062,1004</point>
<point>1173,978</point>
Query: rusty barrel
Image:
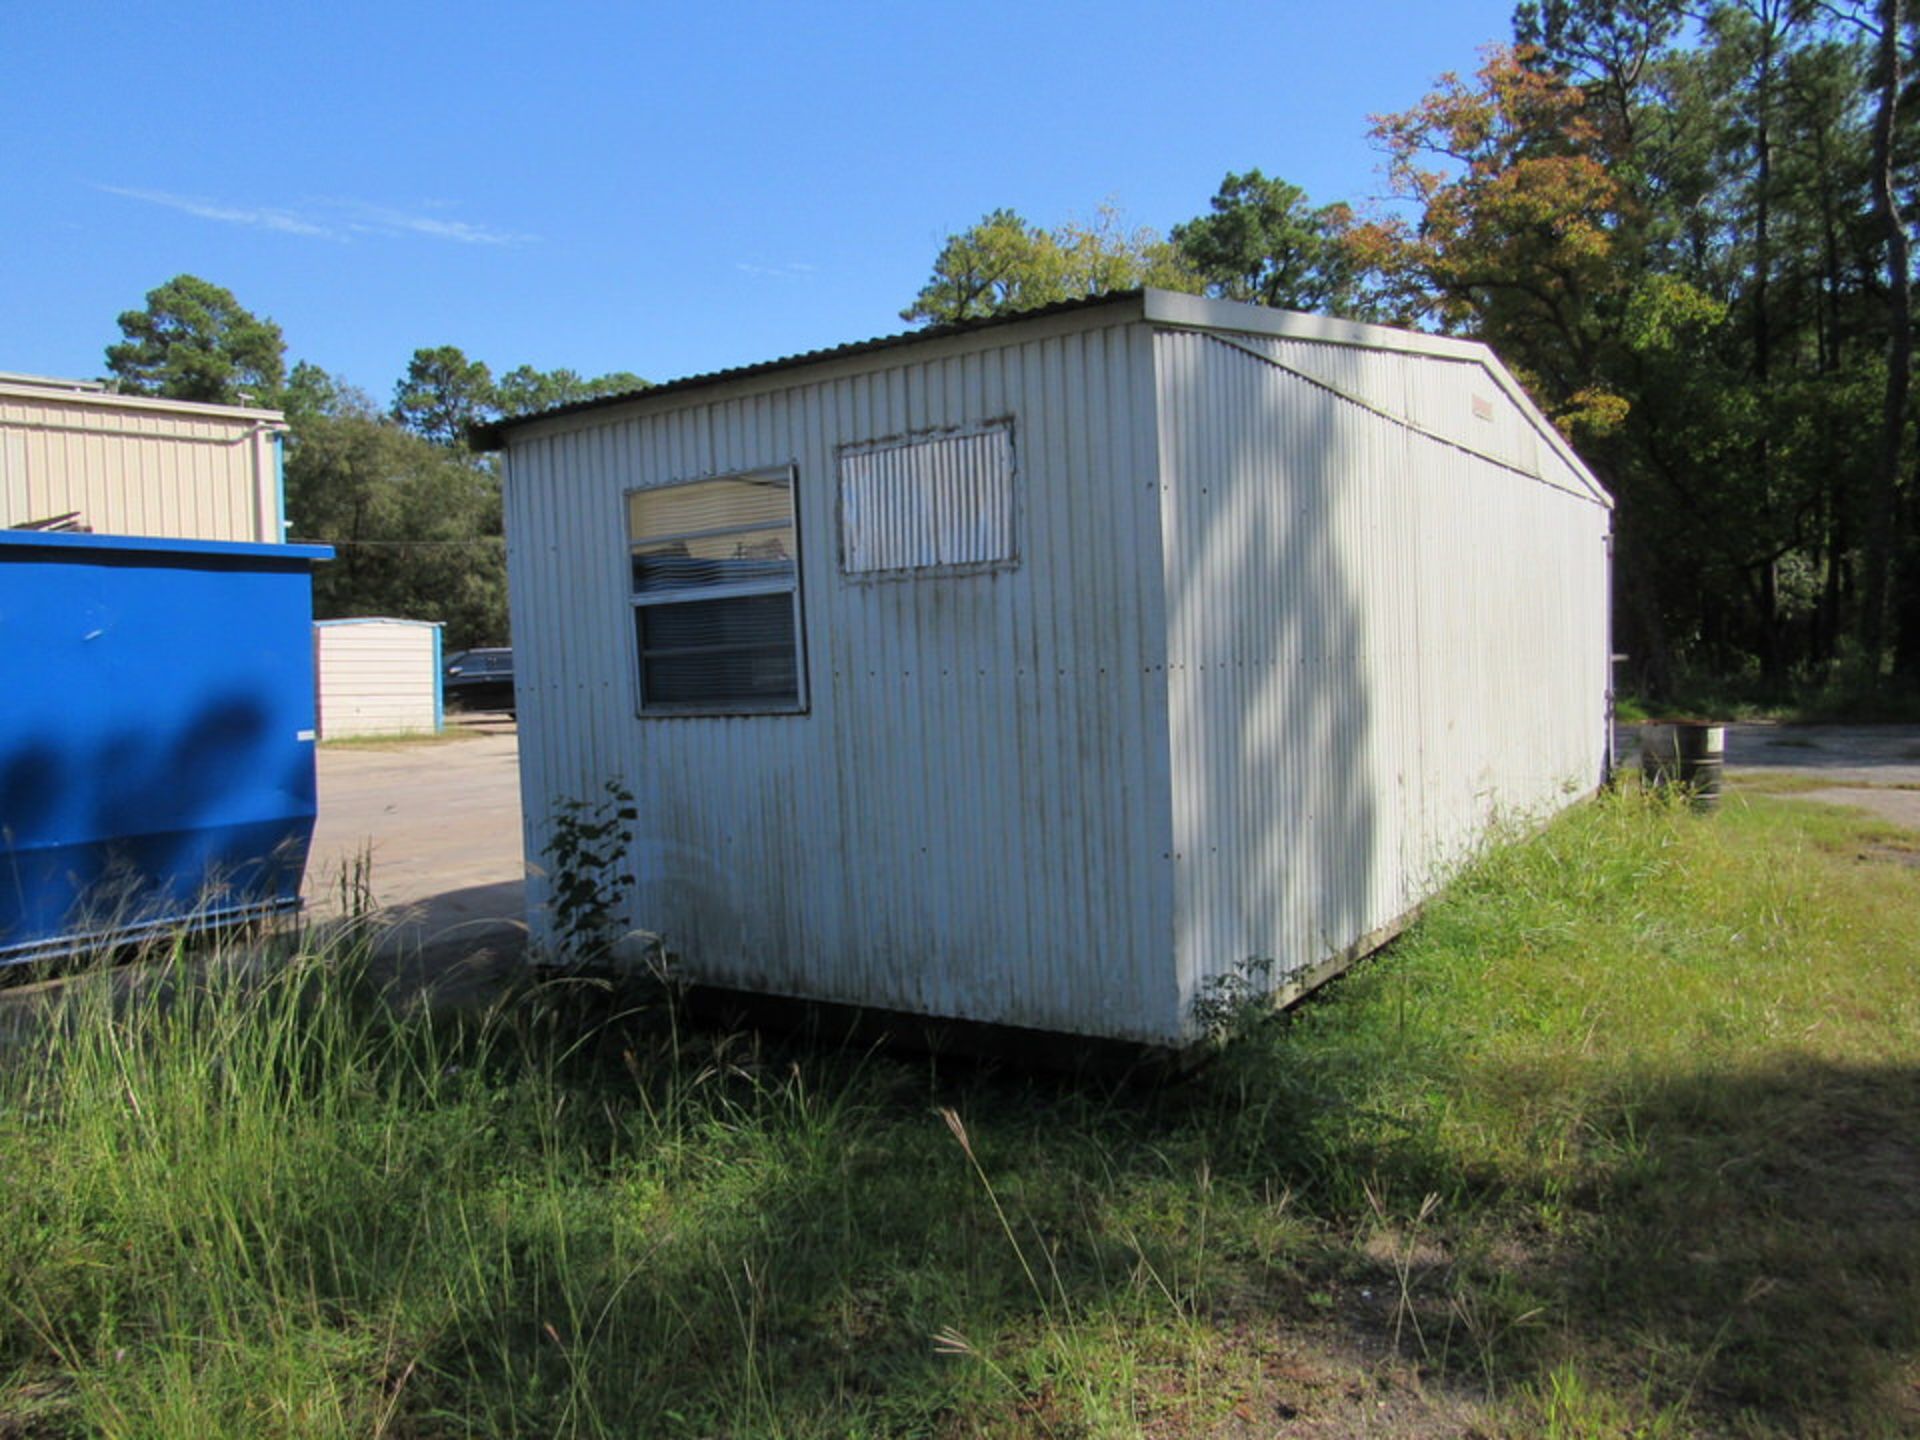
<point>1687,753</point>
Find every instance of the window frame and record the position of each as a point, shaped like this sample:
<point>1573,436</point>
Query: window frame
<point>790,585</point>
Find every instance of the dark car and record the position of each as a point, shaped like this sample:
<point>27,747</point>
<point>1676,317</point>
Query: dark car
<point>479,679</point>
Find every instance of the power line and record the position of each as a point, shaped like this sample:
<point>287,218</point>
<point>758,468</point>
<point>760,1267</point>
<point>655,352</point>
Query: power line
<point>413,544</point>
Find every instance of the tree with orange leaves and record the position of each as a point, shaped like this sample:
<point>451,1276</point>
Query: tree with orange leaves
<point>1516,236</point>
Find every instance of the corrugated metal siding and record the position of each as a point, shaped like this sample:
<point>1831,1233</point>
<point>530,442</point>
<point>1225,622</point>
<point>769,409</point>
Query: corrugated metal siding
<point>376,678</point>
<point>941,500</point>
<point>1377,642</point>
<point>1454,399</point>
<point>973,818</point>
<point>133,470</point>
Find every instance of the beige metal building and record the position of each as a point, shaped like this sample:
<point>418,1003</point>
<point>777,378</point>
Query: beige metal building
<point>1066,671</point>
<point>377,676</point>
<point>73,451</point>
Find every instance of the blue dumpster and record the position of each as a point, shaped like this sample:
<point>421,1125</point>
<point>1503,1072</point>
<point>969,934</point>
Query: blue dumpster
<point>156,735</point>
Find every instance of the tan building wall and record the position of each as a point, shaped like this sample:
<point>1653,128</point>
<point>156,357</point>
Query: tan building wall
<point>377,677</point>
<point>128,465</point>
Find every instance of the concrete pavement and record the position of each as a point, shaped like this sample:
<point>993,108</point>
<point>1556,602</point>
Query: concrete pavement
<point>438,827</point>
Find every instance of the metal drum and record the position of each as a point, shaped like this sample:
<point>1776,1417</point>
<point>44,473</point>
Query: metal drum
<point>1687,753</point>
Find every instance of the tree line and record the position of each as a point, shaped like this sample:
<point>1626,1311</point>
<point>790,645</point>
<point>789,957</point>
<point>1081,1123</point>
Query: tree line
<point>1687,228</point>
<point>412,511</point>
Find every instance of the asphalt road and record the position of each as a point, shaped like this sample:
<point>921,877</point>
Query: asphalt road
<point>1862,755</point>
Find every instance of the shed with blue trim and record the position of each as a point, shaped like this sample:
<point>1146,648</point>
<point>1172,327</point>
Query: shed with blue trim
<point>378,676</point>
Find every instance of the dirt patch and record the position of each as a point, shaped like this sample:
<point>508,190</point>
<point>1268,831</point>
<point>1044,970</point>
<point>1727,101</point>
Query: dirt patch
<point>1900,807</point>
<point>1906,855</point>
<point>1268,1377</point>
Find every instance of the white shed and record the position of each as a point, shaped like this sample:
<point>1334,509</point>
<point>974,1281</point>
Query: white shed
<point>116,464</point>
<point>1051,671</point>
<point>376,676</point>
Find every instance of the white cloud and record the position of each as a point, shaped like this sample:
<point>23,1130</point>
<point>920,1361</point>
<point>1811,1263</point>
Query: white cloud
<point>285,221</point>
<point>328,219</point>
<point>385,220</point>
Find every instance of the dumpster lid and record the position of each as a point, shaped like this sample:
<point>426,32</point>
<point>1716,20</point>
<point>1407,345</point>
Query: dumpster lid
<point>156,544</point>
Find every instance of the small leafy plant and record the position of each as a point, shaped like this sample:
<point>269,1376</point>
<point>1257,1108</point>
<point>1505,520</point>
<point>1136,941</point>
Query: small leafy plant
<point>587,860</point>
<point>1230,1005</point>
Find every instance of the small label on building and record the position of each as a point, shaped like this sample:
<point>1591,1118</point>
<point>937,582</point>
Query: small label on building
<point>303,734</point>
<point>1482,408</point>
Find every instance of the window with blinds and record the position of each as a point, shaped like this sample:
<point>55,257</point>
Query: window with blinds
<point>937,502</point>
<point>716,595</point>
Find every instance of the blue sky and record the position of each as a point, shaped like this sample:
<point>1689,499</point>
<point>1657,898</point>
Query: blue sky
<point>663,189</point>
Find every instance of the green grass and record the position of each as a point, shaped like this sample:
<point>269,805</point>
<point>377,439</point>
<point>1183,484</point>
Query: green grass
<point>1623,1138</point>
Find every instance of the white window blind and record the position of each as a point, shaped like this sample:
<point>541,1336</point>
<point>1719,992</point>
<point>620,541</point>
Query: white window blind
<point>715,576</point>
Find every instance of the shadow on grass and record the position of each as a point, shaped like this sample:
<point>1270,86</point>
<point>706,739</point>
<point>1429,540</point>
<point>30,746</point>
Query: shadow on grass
<point>1737,1247</point>
<point>783,1234</point>
<point>1765,1229</point>
<point>792,1243</point>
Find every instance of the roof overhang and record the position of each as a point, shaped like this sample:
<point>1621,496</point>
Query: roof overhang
<point>90,396</point>
<point>493,436</point>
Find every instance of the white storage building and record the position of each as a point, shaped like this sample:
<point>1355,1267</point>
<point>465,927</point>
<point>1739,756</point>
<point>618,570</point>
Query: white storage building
<point>1049,671</point>
<point>132,465</point>
<point>376,676</point>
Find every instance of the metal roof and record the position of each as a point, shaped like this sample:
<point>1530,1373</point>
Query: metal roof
<point>492,436</point>
<point>96,395</point>
<point>49,382</point>
<point>381,620</point>
<point>1160,307</point>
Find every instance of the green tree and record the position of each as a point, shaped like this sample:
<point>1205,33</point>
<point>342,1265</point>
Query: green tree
<point>444,394</point>
<point>1897,402</point>
<point>312,393</point>
<point>1746,327</point>
<point>194,341</point>
<point>1611,48</point>
<point>1264,243</point>
<point>1001,263</point>
<point>1004,264</point>
<point>524,389</point>
<point>416,525</point>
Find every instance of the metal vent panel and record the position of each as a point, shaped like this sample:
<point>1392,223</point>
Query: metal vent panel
<point>933,502</point>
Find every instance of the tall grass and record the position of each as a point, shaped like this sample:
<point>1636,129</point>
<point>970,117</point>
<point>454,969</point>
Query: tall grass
<point>1619,1139</point>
